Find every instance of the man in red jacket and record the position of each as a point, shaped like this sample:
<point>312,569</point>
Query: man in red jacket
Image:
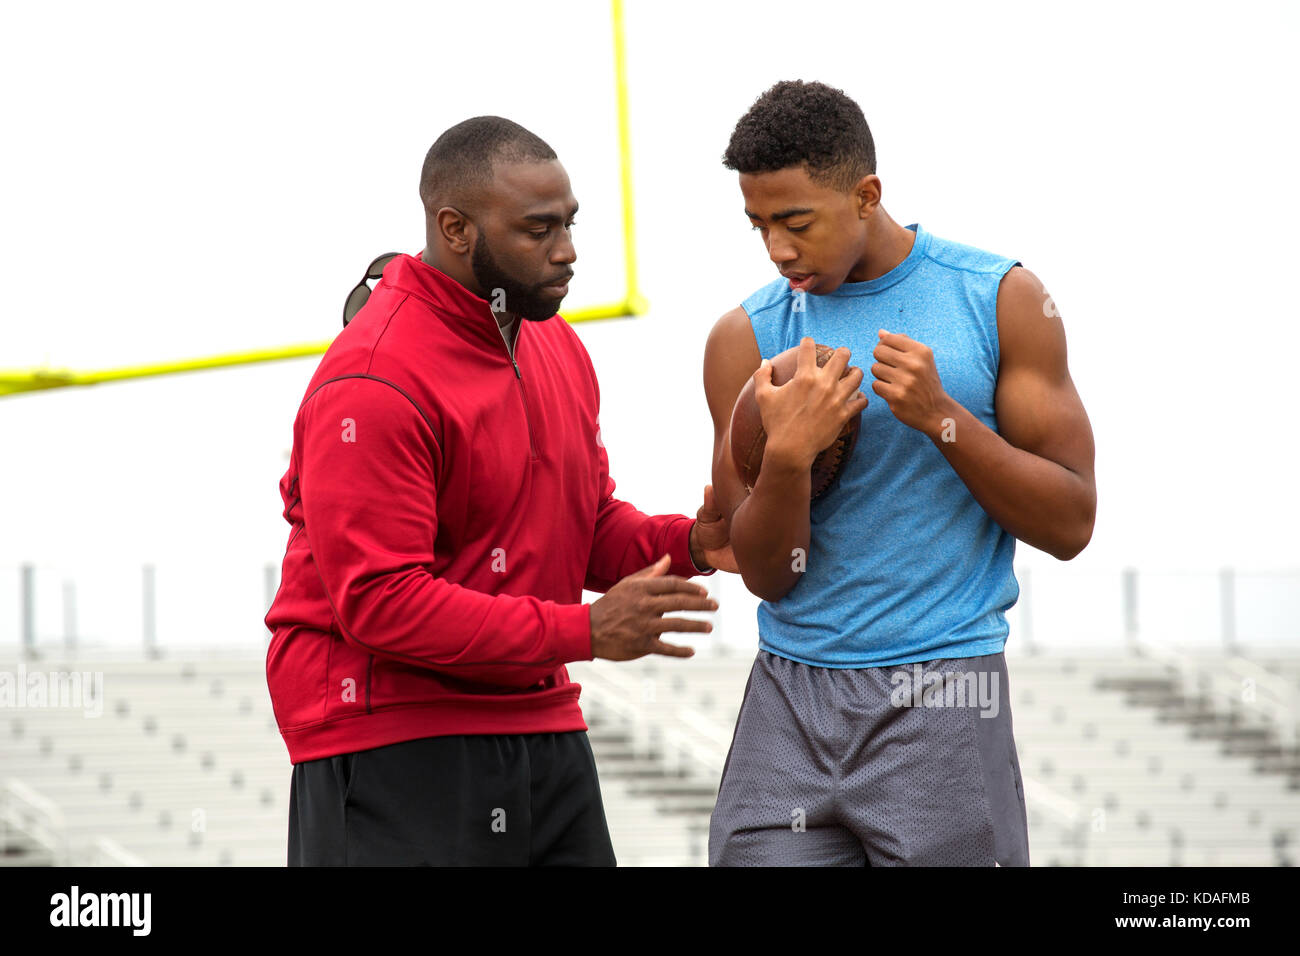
<point>449,498</point>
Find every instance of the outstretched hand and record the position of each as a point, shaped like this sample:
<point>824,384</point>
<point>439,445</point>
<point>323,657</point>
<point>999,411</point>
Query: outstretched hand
<point>628,621</point>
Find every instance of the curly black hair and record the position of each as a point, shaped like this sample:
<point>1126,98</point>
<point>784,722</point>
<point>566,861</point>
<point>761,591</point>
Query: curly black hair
<point>797,123</point>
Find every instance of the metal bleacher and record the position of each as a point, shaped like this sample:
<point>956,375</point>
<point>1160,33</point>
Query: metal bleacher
<point>184,766</point>
<point>1128,758</point>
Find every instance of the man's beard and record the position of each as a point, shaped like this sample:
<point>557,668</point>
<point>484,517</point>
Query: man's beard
<point>524,301</point>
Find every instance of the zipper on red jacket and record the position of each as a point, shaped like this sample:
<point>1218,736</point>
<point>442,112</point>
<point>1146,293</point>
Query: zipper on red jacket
<point>523,392</point>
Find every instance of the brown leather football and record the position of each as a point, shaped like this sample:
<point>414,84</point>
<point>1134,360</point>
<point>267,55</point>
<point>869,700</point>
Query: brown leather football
<point>748,439</point>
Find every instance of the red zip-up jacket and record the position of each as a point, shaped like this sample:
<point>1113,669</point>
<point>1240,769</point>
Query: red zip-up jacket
<point>448,505</point>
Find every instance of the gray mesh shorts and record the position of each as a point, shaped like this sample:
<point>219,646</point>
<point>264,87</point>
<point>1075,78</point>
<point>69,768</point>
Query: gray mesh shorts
<point>909,765</point>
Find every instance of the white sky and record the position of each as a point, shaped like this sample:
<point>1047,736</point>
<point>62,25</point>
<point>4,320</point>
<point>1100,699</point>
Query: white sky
<point>186,180</point>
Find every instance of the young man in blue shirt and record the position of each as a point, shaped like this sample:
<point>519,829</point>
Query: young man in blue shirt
<point>876,727</point>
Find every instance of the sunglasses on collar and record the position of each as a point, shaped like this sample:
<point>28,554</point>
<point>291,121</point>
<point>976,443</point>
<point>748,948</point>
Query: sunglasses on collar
<point>361,292</point>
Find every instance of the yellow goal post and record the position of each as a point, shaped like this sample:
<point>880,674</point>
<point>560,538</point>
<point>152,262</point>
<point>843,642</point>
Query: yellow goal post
<point>15,381</point>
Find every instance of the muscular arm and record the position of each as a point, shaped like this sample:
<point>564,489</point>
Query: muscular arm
<point>769,523</point>
<point>1034,476</point>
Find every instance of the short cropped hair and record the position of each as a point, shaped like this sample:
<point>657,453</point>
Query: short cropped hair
<point>462,158</point>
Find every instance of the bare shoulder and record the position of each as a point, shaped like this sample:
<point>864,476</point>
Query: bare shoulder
<point>731,345</point>
<point>733,332</point>
<point>1037,405</point>
<point>1030,330</point>
<point>730,357</point>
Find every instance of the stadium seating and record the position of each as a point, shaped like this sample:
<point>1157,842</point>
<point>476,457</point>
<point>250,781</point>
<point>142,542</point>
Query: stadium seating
<point>1126,759</point>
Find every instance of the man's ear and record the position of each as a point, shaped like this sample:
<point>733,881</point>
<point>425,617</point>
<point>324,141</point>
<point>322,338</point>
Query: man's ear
<point>455,229</point>
<point>867,195</point>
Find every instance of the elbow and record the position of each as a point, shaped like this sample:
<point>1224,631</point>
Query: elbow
<point>759,579</point>
<point>765,586</point>
<point>1067,552</point>
<point>1071,545</point>
<point>765,593</point>
<point>766,575</point>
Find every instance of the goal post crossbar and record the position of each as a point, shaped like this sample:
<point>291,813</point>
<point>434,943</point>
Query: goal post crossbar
<point>18,380</point>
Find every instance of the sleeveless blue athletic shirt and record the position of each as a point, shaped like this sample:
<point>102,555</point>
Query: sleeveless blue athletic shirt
<point>903,563</point>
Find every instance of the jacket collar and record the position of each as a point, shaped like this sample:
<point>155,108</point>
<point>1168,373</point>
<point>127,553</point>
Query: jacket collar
<point>469,315</point>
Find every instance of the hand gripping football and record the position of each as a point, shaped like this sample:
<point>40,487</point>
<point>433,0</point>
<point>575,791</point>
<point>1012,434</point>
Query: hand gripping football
<point>748,439</point>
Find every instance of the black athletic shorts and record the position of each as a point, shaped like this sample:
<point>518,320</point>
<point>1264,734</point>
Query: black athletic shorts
<point>470,800</point>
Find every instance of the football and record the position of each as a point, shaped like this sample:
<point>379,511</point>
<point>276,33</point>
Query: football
<point>748,439</point>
